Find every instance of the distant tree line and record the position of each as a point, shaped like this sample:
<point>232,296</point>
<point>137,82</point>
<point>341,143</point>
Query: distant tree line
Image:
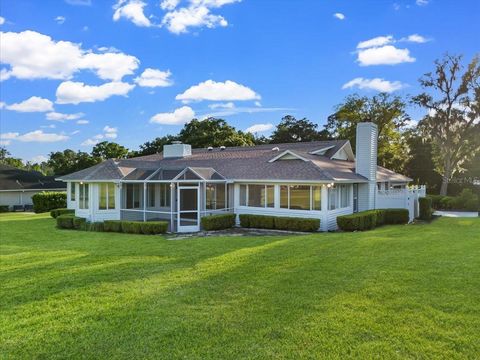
<point>441,149</point>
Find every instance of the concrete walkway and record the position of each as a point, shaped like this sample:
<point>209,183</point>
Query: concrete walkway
<point>457,214</point>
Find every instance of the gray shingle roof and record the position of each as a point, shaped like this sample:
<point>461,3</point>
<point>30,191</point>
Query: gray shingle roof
<point>16,179</point>
<point>243,163</point>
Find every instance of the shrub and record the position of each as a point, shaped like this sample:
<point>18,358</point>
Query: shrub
<point>447,203</point>
<point>65,221</point>
<point>112,225</point>
<point>154,227</point>
<point>218,222</point>
<point>258,221</point>
<point>132,227</point>
<point>79,223</point>
<point>56,212</point>
<point>364,220</point>
<point>296,224</point>
<point>46,201</point>
<point>425,207</point>
<point>4,208</point>
<point>380,217</point>
<point>244,220</point>
<point>396,216</point>
<point>436,199</point>
<point>93,226</point>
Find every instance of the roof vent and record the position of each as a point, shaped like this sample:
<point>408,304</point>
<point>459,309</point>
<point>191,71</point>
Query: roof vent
<point>276,148</point>
<point>222,147</point>
<point>210,148</point>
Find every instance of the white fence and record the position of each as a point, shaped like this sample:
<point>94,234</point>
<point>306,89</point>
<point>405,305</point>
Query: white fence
<point>401,199</point>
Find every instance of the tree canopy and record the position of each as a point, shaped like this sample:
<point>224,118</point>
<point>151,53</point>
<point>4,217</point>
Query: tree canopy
<point>291,129</point>
<point>109,150</point>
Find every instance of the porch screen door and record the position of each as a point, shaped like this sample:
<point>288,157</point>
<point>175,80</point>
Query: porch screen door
<point>188,212</point>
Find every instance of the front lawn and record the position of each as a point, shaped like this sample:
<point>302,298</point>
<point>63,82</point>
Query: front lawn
<point>395,292</point>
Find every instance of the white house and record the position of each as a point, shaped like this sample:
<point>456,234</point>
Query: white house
<point>320,179</point>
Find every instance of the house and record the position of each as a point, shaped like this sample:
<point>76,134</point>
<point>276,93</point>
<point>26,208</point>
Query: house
<point>18,186</point>
<point>320,179</point>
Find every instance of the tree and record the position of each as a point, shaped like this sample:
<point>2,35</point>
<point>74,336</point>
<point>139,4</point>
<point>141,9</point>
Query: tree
<point>452,122</point>
<point>109,150</point>
<point>387,112</point>
<point>213,132</point>
<point>154,147</point>
<point>68,161</point>
<point>6,159</point>
<point>292,130</point>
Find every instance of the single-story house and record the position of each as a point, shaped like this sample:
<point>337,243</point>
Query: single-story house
<point>319,179</point>
<point>18,186</point>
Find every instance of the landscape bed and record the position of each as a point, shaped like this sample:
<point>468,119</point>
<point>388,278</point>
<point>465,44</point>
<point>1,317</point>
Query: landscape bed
<point>399,291</point>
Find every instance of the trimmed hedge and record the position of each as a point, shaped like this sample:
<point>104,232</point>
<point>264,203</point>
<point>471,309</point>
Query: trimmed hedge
<point>279,223</point>
<point>467,201</point>
<point>154,227</point>
<point>4,208</point>
<point>112,225</point>
<point>218,222</point>
<point>79,223</point>
<point>364,220</point>
<point>425,207</point>
<point>396,216</point>
<point>57,212</point>
<point>49,200</point>
<point>65,221</point>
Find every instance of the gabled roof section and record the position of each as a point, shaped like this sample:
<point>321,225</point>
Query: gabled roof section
<point>287,155</point>
<point>107,170</point>
<point>345,152</point>
<point>321,151</point>
<point>12,178</point>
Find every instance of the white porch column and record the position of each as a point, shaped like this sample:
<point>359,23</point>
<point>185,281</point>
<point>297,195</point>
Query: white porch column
<point>324,219</point>
<point>144,201</point>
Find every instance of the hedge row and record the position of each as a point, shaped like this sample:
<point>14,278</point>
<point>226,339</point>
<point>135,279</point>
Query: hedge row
<point>68,221</point>
<point>367,220</point>
<point>57,212</point>
<point>279,223</point>
<point>467,200</point>
<point>218,222</point>
<point>4,208</point>
<point>425,207</point>
<point>49,200</point>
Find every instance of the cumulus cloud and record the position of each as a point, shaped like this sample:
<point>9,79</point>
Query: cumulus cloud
<point>131,10</point>
<point>32,104</point>
<point>70,92</point>
<point>60,20</point>
<point>228,105</point>
<point>56,116</point>
<point>415,38</point>
<point>109,133</point>
<point>6,138</point>
<point>169,4</point>
<point>384,55</point>
<point>377,41</point>
<point>32,55</point>
<point>34,136</point>
<point>422,2</point>
<point>218,91</point>
<point>2,20</point>
<point>339,16</point>
<point>154,78</point>
<point>178,117</point>
<point>374,84</point>
<point>82,122</point>
<point>179,21</point>
<point>258,128</point>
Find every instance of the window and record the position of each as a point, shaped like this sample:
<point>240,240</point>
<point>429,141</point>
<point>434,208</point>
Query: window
<point>215,196</point>
<point>151,193</point>
<point>317,198</point>
<point>164,195</point>
<point>284,197</point>
<point>134,194</point>
<point>106,196</point>
<point>83,196</point>
<point>72,191</point>
<point>338,197</point>
<point>301,197</point>
<point>257,195</point>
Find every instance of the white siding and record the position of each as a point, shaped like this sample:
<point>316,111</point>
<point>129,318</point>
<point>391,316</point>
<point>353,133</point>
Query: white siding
<point>332,217</point>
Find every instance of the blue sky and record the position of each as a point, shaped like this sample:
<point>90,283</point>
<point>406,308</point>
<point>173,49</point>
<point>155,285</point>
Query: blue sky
<point>75,72</point>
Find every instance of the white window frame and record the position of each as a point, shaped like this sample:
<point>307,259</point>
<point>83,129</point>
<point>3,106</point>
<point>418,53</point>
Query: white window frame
<point>339,190</point>
<point>311,197</point>
<point>107,198</point>
<point>83,204</point>
<point>265,203</point>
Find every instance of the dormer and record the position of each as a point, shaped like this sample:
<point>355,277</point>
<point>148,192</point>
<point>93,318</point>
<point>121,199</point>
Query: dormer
<point>287,155</point>
<point>343,153</point>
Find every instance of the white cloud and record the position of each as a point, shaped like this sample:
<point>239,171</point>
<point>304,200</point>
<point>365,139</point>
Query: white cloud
<point>2,20</point>
<point>2,104</point>
<point>339,16</point>
<point>35,136</point>
<point>257,103</point>
<point>422,2</point>
<point>79,2</point>
<point>385,55</point>
<point>55,116</point>
<point>38,159</point>
<point>218,91</point>
<point>229,105</point>
<point>131,10</point>
<point>6,138</point>
<point>82,122</point>
<point>33,104</point>
<point>154,78</point>
<point>32,55</point>
<point>415,38</point>
<point>60,19</point>
<point>90,142</point>
<point>110,132</point>
<point>374,84</point>
<point>213,3</point>
<point>179,21</point>
<point>51,126</point>
<point>377,41</point>
<point>70,92</point>
<point>178,117</point>
<point>240,110</point>
<point>258,128</point>
<point>169,4</point>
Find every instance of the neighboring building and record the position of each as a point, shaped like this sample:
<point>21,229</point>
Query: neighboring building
<point>319,179</point>
<point>18,186</point>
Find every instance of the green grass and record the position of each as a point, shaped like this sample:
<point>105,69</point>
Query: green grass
<point>393,293</point>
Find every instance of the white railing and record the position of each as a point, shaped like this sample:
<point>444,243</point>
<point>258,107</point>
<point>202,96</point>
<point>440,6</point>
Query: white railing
<point>401,199</point>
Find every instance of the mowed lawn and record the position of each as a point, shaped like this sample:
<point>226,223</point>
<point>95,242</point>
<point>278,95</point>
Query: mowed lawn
<point>393,293</point>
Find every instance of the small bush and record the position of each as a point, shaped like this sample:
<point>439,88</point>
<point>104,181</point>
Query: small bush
<point>57,212</point>
<point>380,217</point>
<point>112,225</point>
<point>436,199</point>
<point>93,226</point>
<point>244,220</point>
<point>154,227</point>
<point>4,208</point>
<point>396,216</point>
<point>79,223</point>
<point>296,224</point>
<point>218,222</point>
<point>65,221</point>
<point>425,208</point>
<point>364,220</point>
<point>260,221</point>
<point>132,227</point>
<point>46,201</point>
